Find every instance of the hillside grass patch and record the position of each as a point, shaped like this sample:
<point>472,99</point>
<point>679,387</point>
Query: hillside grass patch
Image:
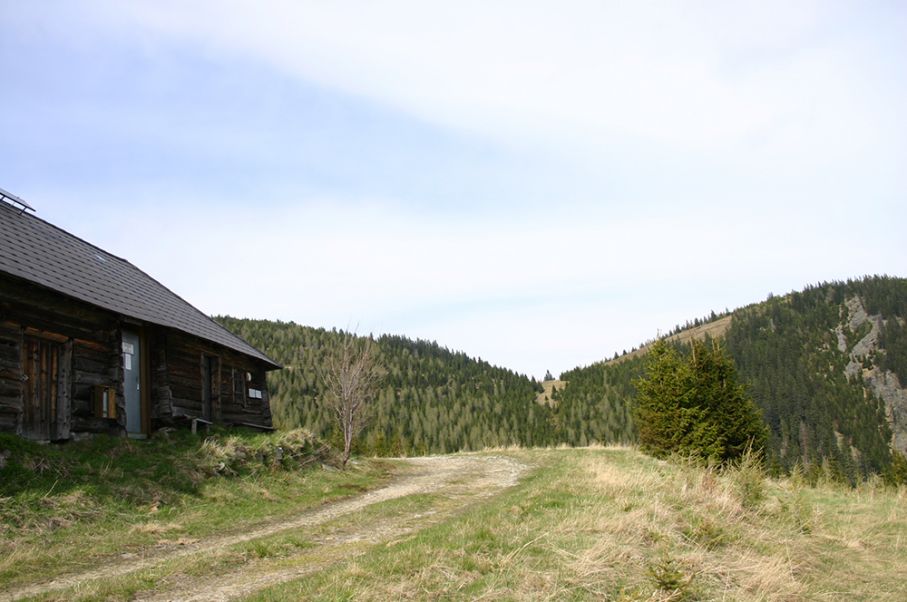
<point>612,523</point>
<point>69,507</point>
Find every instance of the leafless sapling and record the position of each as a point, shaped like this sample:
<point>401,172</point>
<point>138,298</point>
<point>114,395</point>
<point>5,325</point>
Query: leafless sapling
<point>351,376</point>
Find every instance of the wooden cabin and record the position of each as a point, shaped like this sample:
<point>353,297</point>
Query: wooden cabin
<point>89,343</point>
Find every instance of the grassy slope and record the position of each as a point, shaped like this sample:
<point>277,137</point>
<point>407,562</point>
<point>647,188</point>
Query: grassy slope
<point>714,329</point>
<point>66,508</point>
<point>615,524</point>
<point>606,523</point>
<point>546,397</point>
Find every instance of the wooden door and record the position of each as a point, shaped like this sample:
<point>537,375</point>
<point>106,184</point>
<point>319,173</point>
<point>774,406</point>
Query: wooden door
<point>46,407</point>
<point>210,388</point>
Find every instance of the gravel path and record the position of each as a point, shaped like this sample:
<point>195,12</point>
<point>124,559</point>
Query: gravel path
<point>463,478</point>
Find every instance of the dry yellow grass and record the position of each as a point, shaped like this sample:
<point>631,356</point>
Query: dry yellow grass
<point>714,330</point>
<point>546,397</point>
<point>598,523</point>
<point>613,524</point>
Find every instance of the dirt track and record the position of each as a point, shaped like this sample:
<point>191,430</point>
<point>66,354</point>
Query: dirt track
<point>460,479</point>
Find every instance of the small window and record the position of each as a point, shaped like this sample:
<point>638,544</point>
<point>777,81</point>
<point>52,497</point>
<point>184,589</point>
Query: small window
<point>254,393</point>
<point>105,401</point>
<point>239,387</point>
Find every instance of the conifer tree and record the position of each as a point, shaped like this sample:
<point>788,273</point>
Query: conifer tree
<point>694,405</point>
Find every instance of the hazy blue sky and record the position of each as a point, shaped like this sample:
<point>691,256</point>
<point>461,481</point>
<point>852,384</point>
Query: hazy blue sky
<point>537,183</point>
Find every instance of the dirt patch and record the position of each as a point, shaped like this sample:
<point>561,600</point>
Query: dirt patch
<point>546,397</point>
<point>464,478</point>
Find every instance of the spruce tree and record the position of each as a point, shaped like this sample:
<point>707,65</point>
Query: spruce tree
<point>694,405</point>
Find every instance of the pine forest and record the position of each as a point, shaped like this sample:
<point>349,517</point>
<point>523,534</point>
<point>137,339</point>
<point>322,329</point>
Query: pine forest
<point>824,366</point>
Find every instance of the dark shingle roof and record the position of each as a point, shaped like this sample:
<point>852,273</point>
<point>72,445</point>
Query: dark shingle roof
<point>39,252</point>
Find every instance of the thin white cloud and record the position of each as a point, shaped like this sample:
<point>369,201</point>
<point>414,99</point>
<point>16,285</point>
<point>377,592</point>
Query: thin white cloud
<point>754,147</point>
<point>694,76</point>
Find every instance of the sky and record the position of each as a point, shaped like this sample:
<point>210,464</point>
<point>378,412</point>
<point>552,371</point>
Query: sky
<point>539,184</point>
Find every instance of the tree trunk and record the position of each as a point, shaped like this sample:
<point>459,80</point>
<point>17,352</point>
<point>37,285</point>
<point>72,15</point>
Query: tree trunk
<point>347,446</point>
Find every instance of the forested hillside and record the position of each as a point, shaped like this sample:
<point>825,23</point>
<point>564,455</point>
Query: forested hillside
<point>432,400</point>
<point>825,365</point>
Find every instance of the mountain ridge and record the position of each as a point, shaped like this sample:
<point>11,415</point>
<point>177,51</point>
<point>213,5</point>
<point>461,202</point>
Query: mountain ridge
<point>825,365</point>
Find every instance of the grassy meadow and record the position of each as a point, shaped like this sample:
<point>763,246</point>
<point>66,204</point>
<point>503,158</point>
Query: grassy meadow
<point>581,524</point>
<point>614,524</point>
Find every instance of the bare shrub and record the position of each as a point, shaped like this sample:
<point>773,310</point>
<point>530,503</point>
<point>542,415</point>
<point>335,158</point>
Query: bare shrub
<point>351,378</point>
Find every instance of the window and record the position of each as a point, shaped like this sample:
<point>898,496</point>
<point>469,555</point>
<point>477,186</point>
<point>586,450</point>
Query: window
<point>105,401</point>
<point>239,388</point>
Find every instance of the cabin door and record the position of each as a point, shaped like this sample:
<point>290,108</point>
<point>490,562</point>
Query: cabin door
<point>46,409</point>
<point>132,383</point>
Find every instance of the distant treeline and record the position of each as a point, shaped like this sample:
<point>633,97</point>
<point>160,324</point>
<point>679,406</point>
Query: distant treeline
<point>433,400</point>
<point>786,350</point>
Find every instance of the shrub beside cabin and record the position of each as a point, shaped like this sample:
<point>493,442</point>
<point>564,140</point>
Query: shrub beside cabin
<point>90,343</point>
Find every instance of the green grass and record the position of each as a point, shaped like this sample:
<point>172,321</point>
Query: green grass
<point>78,505</point>
<point>615,524</point>
<point>582,524</point>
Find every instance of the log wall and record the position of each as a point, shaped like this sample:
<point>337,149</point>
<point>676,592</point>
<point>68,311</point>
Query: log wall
<point>190,362</point>
<point>91,341</point>
<point>11,370</point>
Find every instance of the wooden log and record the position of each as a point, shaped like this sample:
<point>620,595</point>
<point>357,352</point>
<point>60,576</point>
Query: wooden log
<point>91,378</point>
<point>10,364</point>
<point>46,310</point>
<point>64,393</point>
<point>11,388</point>
<point>186,406</point>
<point>91,365</point>
<point>9,421</point>
<point>93,424</point>
<point>10,403</point>
<point>262,427</point>
<point>9,351</point>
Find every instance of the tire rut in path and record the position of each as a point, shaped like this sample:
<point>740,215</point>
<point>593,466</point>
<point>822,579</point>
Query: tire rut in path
<point>467,477</point>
